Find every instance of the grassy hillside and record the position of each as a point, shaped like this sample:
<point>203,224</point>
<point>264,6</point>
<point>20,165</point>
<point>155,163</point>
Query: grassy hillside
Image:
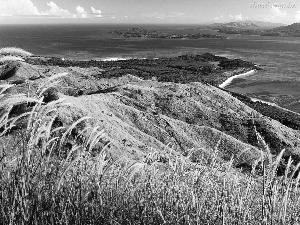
<point>78,147</point>
<point>43,181</point>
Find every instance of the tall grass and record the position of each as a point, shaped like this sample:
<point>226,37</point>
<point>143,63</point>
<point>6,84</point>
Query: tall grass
<point>14,52</point>
<point>44,180</point>
<point>9,58</point>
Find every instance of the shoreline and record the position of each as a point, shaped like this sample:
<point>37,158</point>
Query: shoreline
<point>230,79</point>
<point>273,104</point>
<point>265,102</point>
<point>248,73</point>
<point>110,59</point>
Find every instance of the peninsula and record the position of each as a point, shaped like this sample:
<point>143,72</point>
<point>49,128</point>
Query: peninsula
<point>144,33</point>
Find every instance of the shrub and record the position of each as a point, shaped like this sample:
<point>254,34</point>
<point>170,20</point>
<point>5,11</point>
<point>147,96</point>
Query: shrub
<point>8,70</point>
<point>51,94</point>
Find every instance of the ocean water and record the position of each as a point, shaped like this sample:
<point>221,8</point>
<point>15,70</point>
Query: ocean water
<point>278,82</point>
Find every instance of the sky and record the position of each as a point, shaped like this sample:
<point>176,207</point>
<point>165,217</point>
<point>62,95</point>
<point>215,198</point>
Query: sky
<point>147,11</point>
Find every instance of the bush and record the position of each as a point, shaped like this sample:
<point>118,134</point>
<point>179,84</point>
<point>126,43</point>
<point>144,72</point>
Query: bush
<point>8,70</point>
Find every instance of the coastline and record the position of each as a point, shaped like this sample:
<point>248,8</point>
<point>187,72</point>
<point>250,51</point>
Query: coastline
<point>273,104</point>
<point>109,59</point>
<point>265,102</point>
<point>230,79</point>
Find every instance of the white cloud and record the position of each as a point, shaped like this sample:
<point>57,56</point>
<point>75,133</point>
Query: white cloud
<point>218,18</point>
<point>27,8</point>
<point>55,10</point>
<point>297,16</point>
<point>237,17</point>
<point>276,15</point>
<point>276,12</point>
<point>96,12</point>
<point>81,13</point>
<point>80,10</point>
<point>17,7</point>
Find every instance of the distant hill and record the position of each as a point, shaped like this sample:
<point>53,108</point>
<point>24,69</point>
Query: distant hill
<point>258,28</point>
<point>290,30</point>
<point>247,24</point>
<point>241,25</point>
<point>291,27</point>
<point>295,27</point>
<point>265,24</point>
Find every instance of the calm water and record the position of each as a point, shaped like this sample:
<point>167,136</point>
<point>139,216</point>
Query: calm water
<point>279,82</point>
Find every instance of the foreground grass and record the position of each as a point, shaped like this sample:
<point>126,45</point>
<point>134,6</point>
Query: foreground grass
<point>13,51</point>
<point>10,58</point>
<point>43,181</point>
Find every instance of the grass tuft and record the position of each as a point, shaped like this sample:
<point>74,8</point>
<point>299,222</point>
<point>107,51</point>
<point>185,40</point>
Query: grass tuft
<point>9,58</point>
<point>13,51</point>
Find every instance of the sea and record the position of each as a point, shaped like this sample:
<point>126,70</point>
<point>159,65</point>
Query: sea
<point>279,57</point>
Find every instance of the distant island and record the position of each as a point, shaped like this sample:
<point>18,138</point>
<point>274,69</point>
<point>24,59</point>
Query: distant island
<point>243,28</point>
<point>144,33</point>
<point>292,30</point>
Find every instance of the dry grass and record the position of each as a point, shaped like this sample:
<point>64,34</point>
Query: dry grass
<point>44,182</point>
<point>13,51</point>
<point>9,58</point>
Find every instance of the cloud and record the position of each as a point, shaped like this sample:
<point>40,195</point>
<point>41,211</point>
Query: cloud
<point>275,15</point>
<point>219,18</point>
<point>55,10</point>
<point>25,8</point>
<point>237,17</point>
<point>17,7</point>
<point>297,16</point>
<point>81,13</point>
<point>96,12</point>
<point>276,12</point>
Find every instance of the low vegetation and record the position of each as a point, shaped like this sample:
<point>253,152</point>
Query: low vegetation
<point>205,68</point>
<point>45,180</point>
<point>286,117</point>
